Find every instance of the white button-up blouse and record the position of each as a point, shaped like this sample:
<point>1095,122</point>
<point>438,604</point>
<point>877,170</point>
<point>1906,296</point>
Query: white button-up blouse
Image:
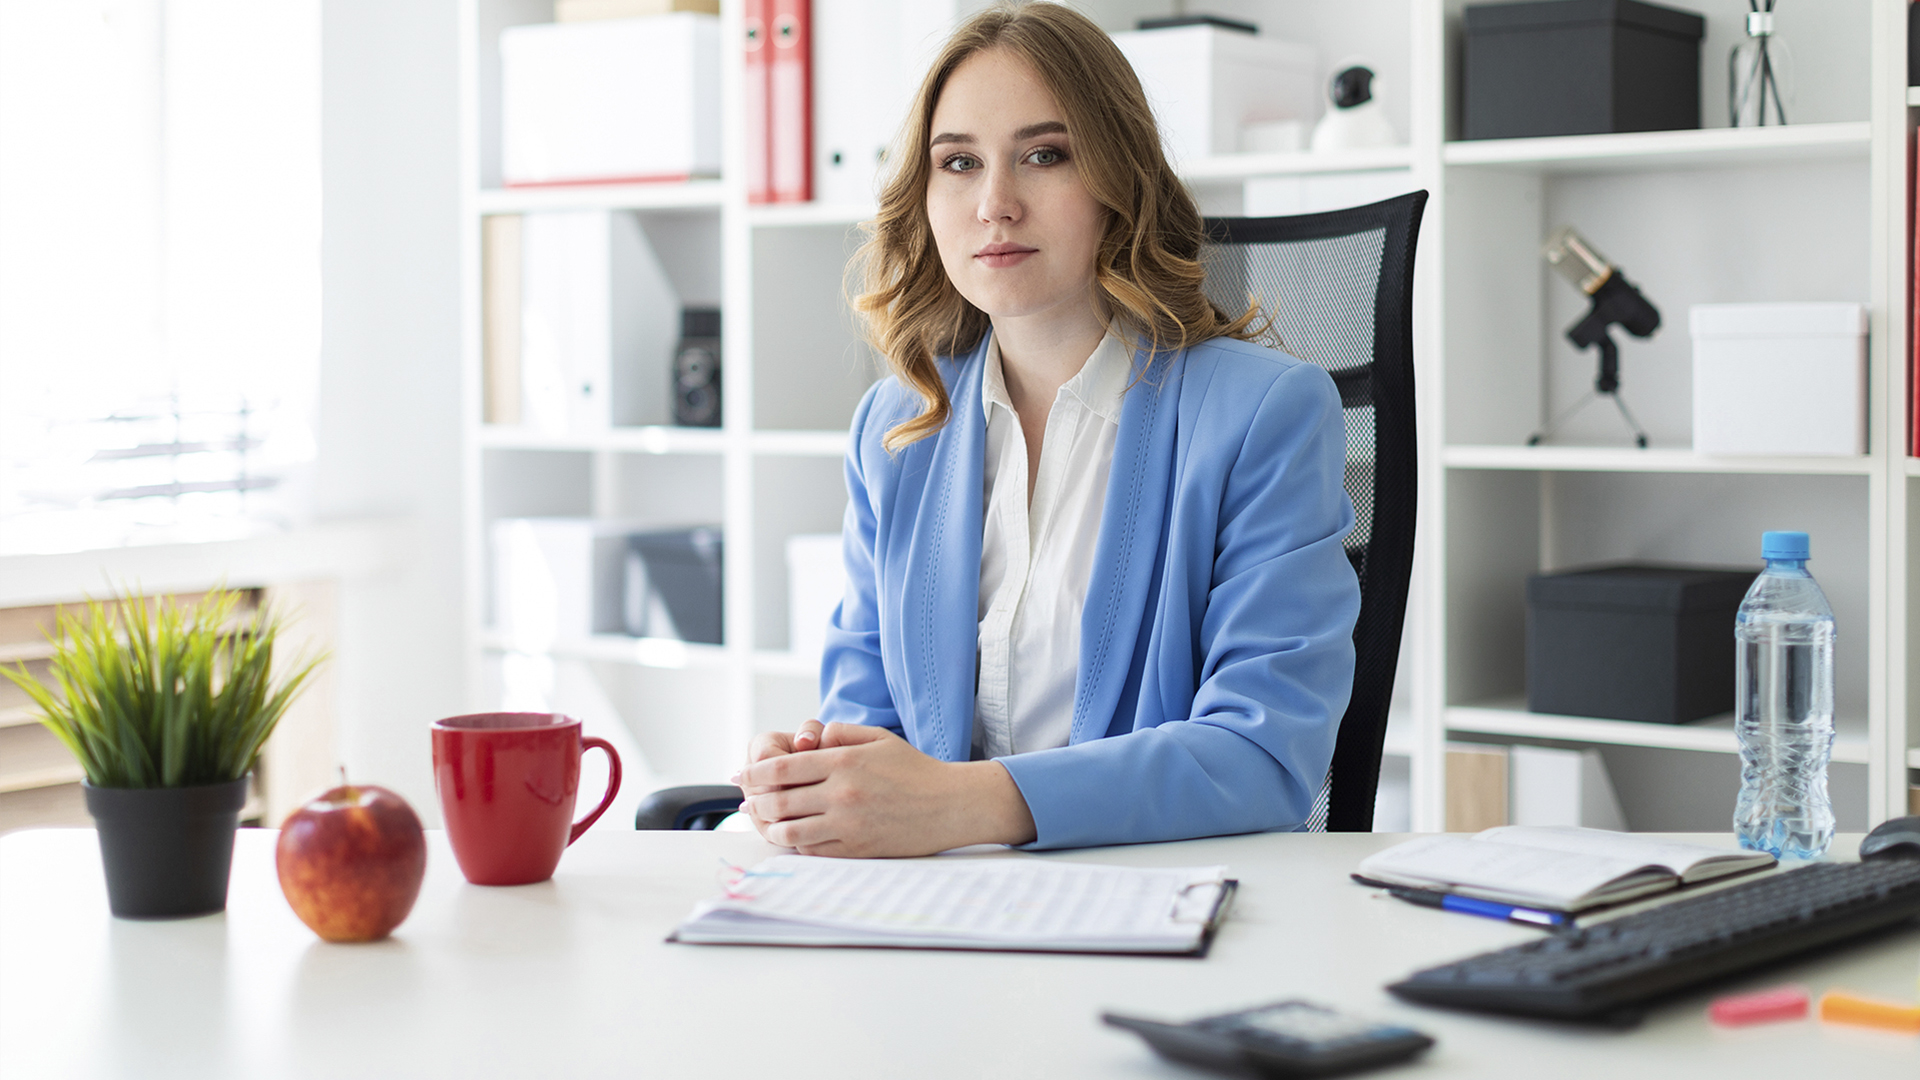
<point>1036,555</point>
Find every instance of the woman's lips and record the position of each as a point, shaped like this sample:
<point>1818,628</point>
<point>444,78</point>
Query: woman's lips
<point>1003,255</point>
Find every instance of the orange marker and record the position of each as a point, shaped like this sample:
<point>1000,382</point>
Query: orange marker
<point>1842,1008</point>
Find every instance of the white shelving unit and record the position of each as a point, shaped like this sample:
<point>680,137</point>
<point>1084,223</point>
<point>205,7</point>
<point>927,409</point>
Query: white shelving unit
<point>1816,210</point>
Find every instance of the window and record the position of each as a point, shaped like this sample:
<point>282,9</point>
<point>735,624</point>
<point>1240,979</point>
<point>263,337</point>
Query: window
<point>159,268</point>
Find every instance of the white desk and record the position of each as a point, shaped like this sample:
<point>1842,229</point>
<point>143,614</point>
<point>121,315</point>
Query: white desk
<point>572,978</point>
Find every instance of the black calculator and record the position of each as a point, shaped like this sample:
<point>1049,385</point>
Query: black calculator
<point>1287,1038</point>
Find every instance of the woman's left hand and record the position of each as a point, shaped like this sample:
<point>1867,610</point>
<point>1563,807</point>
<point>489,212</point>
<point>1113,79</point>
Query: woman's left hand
<point>868,793</point>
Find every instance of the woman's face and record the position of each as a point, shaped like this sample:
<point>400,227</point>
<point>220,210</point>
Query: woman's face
<point>1017,230</point>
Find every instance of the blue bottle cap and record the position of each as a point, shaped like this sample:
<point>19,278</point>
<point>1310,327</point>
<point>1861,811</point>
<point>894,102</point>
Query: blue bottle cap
<point>1783,545</point>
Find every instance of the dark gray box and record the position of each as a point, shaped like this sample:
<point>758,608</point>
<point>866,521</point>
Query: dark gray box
<point>1633,641</point>
<point>673,584</point>
<point>1579,67</point>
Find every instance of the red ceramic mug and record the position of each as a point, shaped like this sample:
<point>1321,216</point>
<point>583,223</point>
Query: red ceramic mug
<point>507,783</point>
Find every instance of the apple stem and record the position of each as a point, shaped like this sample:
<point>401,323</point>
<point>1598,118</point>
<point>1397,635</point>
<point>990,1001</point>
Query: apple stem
<point>343,777</point>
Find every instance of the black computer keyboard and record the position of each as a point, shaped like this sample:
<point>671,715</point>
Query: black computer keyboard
<point>1607,970</point>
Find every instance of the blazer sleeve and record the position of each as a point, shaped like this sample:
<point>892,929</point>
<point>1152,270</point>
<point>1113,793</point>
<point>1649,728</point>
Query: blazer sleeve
<point>1274,649</point>
<point>853,681</point>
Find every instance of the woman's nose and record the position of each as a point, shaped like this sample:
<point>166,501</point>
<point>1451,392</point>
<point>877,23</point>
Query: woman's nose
<point>1000,197</point>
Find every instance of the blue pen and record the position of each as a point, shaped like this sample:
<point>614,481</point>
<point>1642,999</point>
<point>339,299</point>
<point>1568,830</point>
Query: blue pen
<point>1486,909</point>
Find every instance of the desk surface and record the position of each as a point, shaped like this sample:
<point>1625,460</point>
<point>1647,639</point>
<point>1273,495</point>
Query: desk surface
<point>572,978</point>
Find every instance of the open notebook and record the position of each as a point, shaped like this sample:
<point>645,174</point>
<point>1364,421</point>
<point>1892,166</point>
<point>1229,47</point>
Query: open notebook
<point>1558,868</point>
<point>1032,905</point>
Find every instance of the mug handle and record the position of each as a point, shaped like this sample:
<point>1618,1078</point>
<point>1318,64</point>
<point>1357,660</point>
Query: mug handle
<point>613,785</point>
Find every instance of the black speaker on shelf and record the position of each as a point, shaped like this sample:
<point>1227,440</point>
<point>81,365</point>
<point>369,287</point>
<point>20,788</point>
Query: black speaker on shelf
<point>696,369</point>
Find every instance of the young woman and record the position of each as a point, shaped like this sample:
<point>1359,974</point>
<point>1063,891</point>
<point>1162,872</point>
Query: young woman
<point>1096,592</point>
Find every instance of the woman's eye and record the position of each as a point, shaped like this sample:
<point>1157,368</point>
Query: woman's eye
<point>1046,155</point>
<point>959,163</point>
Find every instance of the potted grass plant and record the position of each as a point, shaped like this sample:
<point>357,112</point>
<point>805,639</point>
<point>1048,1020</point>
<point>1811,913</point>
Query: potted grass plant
<point>165,704</point>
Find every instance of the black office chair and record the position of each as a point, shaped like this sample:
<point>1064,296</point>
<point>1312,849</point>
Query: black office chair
<point>1339,287</point>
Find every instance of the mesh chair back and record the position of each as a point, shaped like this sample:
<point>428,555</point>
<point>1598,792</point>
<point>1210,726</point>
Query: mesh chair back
<point>1339,286</point>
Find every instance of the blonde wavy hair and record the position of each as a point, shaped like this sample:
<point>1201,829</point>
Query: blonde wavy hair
<point>1148,266</point>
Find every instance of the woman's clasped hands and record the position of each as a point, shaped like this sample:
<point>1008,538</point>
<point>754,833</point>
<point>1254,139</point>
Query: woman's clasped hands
<point>854,791</point>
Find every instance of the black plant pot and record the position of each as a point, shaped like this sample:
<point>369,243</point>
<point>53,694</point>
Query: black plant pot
<point>167,851</point>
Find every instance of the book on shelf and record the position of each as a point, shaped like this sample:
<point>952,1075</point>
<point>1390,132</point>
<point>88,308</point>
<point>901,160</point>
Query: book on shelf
<point>949,902</point>
<point>500,258</point>
<point>1913,308</point>
<point>1559,868</point>
<point>1477,776</point>
<point>790,101</point>
<point>753,92</point>
<point>868,59</point>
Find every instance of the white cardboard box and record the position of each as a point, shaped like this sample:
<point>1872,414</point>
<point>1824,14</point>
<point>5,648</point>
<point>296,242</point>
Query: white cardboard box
<point>816,581</point>
<point>612,101</point>
<point>1780,378</point>
<point>1206,83</point>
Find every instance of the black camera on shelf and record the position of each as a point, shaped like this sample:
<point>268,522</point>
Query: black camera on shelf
<point>696,369</point>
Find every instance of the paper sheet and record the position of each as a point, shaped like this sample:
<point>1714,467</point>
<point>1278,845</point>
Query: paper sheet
<point>1018,901</point>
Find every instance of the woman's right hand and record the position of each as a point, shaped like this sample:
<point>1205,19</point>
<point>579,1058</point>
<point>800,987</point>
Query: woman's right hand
<point>772,744</point>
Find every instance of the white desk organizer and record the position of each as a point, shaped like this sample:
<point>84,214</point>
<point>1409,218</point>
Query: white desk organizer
<point>1780,379</point>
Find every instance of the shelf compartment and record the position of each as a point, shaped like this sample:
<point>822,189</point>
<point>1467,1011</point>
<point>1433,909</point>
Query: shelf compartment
<point>1509,716</point>
<point>620,649</point>
<point>685,195</point>
<point>1235,167</point>
<point>1630,151</point>
<point>1657,460</point>
<point>656,439</point>
<point>800,443</point>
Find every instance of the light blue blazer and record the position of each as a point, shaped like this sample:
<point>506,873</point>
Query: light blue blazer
<point>1216,645</point>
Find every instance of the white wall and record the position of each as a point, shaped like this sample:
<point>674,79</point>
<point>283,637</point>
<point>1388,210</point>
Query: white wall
<point>390,389</point>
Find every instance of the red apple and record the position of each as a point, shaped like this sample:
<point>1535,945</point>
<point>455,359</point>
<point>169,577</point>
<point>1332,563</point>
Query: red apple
<point>351,861</point>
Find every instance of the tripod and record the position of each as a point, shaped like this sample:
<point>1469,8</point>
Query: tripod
<point>1614,301</point>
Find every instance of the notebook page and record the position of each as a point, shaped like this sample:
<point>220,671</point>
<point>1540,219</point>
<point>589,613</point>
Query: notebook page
<point>1014,900</point>
<point>1640,848</point>
<point>1498,870</point>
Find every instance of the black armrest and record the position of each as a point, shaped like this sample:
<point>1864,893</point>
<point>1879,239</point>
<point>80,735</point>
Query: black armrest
<point>697,806</point>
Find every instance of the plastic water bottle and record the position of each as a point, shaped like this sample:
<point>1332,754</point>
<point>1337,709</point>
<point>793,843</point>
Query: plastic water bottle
<point>1784,709</point>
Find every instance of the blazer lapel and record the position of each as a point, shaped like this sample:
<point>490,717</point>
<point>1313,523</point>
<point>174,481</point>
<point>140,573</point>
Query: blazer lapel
<point>940,598</point>
<point>1126,558</point>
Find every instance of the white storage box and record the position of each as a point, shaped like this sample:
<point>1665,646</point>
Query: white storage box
<point>816,581</point>
<point>620,100</point>
<point>1206,83</point>
<point>559,579</point>
<point>1779,378</point>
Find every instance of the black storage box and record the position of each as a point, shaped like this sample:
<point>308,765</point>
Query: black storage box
<point>1579,67</point>
<point>1633,641</point>
<point>673,584</point>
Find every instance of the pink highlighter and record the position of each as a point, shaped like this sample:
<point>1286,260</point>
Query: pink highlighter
<point>1764,1007</point>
